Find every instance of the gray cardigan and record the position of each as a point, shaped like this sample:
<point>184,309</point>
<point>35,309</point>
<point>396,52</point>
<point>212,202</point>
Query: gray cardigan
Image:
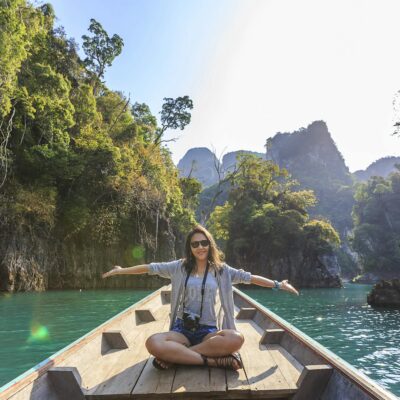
<point>175,271</point>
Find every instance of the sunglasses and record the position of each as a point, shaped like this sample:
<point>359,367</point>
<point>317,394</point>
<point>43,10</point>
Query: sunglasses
<point>203,243</point>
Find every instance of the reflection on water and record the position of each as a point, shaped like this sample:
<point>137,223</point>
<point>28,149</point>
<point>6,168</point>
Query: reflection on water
<point>342,321</point>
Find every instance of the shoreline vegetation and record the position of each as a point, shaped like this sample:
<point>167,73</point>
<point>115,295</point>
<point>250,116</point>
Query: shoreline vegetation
<point>87,180</point>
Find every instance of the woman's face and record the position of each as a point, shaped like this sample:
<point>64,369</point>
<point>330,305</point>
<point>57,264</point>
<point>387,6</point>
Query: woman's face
<point>200,253</point>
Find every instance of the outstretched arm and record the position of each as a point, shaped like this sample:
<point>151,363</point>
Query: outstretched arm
<point>137,269</point>
<point>284,285</point>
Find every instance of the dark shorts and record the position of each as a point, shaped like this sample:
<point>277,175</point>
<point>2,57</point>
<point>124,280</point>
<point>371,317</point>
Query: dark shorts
<point>195,337</point>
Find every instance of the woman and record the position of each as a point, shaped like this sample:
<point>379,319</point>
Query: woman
<point>198,335</point>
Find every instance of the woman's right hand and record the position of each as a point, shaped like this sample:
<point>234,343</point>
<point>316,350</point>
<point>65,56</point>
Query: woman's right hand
<point>114,271</point>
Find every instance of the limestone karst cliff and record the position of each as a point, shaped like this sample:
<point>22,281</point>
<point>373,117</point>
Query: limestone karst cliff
<point>34,260</point>
<point>382,167</point>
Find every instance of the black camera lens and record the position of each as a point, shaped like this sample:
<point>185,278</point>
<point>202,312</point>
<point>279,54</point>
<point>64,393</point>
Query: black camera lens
<point>190,321</point>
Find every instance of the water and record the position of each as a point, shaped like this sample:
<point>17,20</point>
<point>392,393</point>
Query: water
<point>35,325</point>
<point>342,321</point>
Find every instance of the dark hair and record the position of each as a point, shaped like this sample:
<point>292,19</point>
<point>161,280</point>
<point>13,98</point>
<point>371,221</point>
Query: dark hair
<point>215,255</point>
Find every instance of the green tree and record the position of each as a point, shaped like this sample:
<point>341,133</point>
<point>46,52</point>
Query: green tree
<point>174,115</point>
<point>191,189</point>
<point>265,218</point>
<point>145,120</point>
<point>84,161</point>
<point>20,24</point>
<point>376,215</point>
<point>100,49</point>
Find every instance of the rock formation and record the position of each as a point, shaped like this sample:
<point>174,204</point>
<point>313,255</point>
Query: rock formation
<point>301,271</point>
<point>311,156</point>
<point>229,159</point>
<point>30,261</point>
<point>200,163</point>
<point>382,167</point>
<point>385,294</point>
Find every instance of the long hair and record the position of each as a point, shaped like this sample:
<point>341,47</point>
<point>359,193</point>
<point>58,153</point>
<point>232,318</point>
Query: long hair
<point>215,255</point>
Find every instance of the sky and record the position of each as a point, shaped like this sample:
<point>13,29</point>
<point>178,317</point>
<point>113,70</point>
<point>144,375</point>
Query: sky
<point>257,67</point>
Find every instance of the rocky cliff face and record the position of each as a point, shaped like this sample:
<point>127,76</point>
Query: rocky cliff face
<point>385,294</point>
<point>310,155</point>
<point>200,163</point>
<point>31,262</point>
<point>301,271</point>
<point>312,158</point>
<point>382,167</point>
<point>229,159</point>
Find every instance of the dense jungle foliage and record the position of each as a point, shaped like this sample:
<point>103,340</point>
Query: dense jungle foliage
<point>376,215</point>
<point>265,217</point>
<point>78,160</point>
<point>82,163</point>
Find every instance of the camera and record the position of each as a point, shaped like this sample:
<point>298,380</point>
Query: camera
<point>191,321</point>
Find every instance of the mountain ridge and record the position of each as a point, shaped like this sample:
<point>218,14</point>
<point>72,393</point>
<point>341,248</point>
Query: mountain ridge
<point>381,167</point>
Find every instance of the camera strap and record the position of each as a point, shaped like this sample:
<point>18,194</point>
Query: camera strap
<point>203,285</point>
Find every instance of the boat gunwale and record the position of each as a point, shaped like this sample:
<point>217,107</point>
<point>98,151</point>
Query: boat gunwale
<point>373,388</point>
<point>366,384</point>
<point>42,367</point>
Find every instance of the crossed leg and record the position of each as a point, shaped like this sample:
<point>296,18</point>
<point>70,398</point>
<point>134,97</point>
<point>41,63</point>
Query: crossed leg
<point>174,347</point>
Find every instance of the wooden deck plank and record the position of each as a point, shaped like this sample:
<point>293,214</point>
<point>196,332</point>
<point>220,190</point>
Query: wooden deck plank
<point>289,366</point>
<point>217,380</point>
<point>191,379</point>
<point>107,363</point>
<point>110,362</point>
<point>270,368</point>
<point>236,381</point>
<point>153,380</point>
<point>122,371</point>
<point>125,367</point>
<point>263,373</point>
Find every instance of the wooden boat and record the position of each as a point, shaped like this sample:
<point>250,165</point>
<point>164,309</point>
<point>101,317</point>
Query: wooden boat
<point>111,362</point>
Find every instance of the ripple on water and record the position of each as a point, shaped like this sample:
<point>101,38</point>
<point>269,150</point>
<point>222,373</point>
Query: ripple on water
<point>67,315</point>
<point>342,321</point>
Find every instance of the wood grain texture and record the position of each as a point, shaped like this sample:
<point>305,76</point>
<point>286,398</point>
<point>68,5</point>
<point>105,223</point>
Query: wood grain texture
<point>270,370</point>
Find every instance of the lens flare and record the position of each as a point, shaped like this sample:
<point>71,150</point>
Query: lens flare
<point>137,252</point>
<point>39,333</point>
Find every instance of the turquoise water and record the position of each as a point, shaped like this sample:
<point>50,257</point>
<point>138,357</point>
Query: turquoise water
<point>342,321</point>
<point>35,325</point>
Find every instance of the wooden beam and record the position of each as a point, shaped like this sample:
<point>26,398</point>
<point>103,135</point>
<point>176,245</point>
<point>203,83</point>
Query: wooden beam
<point>165,297</point>
<point>272,336</point>
<point>144,316</point>
<point>264,375</point>
<point>67,383</point>
<point>246,313</point>
<point>300,351</point>
<point>312,381</point>
<point>115,340</point>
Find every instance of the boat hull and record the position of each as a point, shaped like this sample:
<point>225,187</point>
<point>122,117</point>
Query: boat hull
<point>111,362</point>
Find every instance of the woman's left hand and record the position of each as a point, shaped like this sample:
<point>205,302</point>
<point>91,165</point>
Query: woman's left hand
<point>285,285</point>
